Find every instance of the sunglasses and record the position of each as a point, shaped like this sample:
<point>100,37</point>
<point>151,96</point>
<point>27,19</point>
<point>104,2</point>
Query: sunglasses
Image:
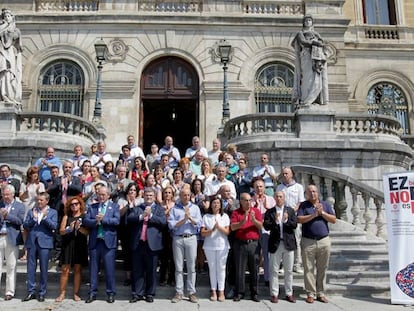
<point>74,203</point>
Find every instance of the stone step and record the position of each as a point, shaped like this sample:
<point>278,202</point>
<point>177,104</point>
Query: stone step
<point>352,264</point>
<point>352,277</point>
<point>358,265</point>
<point>346,239</point>
<point>355,234</point>
<point>360,254</point>
<point>338,283</point>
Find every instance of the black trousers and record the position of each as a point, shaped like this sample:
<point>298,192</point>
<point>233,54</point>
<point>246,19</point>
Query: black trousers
<point>246,254</point>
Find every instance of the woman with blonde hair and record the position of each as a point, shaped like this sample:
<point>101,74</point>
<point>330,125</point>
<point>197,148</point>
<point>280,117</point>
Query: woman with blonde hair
<point>207,174</point>
<point>74,246</point>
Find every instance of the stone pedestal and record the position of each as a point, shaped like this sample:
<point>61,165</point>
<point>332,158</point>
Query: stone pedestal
<point>8,116</point>
<point>315,122</point>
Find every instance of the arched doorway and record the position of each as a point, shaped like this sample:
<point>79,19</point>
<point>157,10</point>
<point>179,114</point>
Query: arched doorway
<point>169,103</point>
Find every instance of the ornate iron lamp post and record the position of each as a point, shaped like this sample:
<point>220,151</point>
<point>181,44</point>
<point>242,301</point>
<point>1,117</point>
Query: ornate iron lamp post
<point>100,49</point>
<point>224,51</point>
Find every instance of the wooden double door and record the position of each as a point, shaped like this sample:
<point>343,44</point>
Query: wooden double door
<point>169,103</point>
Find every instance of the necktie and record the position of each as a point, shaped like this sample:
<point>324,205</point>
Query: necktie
<point>144,229</point>
<point>100,227</point>
<point>280,212</point>
<point>64,189</point>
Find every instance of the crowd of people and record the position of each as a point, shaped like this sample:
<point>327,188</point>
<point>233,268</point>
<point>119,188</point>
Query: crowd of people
<point>207,210</point>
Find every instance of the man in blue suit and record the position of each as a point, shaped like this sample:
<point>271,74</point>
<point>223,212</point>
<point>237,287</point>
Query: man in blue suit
<point>11,218</point>
<point>147,222</point>
<point>102,219</point>
<point>41,222</point>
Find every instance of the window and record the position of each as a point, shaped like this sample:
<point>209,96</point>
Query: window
<point>273,93</point>
<point>387,98</point>
<point>274,88</point>
<point>61,88</point>
<point>379,12</point>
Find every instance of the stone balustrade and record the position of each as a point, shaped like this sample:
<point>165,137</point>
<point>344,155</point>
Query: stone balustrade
<point>284,123</point>
<point>67,5</point>
<point>28,123</point>
<point>258,7</point>
<point>367,124</point>
<point>383,32</point>
<point>273,7</point>
<point>367,203</point>
<point>174,6</point>
<point>257,123</point>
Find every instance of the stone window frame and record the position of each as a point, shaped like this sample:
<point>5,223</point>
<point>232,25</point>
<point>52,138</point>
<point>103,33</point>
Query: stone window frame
<point>387,104</point>
<point>399,12</point>
<point>376,76</point>
<point>66,92</point>
<point>283,92</point>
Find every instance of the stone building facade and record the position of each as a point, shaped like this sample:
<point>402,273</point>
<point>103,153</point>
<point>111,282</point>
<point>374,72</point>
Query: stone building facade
<point>163,76</point>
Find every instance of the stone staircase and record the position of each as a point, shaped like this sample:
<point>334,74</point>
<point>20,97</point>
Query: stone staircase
<point>358,267</point>
<point>358,263</point>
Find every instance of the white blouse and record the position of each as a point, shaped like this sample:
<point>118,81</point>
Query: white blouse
<point>217,240</point>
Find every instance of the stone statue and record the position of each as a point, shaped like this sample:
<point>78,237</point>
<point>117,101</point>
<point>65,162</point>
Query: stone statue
<point>10,59</point>
<point>311,77</point>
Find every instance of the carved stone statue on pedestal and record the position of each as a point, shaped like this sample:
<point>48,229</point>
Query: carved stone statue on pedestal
<point>311,77</point>
<point>10,60</point>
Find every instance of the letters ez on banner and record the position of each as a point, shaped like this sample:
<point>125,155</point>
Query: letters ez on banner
<point>399,206</point>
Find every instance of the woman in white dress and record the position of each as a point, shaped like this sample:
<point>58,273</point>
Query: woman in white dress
<point>215,229</point>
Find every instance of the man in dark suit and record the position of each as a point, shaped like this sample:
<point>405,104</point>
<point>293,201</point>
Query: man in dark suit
<point>102,219</point>
<point>147,222</point>
<point>41,222</point>
<point>7,179</point>
<point>281,221</point>
<point>11,218</point>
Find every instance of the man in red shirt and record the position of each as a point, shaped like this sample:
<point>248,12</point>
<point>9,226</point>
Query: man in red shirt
<point>246,222</point>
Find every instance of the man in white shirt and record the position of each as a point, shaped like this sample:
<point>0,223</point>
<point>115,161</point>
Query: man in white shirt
<point>191,152</point>
<point>173,153</point>
<point>294,195</point>
<point>136,151</point>
<point>267,172</point>
<point>101,157</point>
<point>214,153</point>
<point>77,160</point>
<point>212,187</point>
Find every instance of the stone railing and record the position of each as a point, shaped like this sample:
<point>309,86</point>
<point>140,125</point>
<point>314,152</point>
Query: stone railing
<point>52,123</point>
<point>273,7</point>
<point>284,124</point>
<point>256,7</point>
<point>259,123</point>
<point>67,5</point>
<point>367,124</point>
<point>382,32</point>
<point>367,203</point>
<point>175,6</point>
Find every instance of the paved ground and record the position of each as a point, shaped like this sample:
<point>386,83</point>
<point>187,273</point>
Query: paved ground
<point>337,303</point>
<point>164,294</point>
